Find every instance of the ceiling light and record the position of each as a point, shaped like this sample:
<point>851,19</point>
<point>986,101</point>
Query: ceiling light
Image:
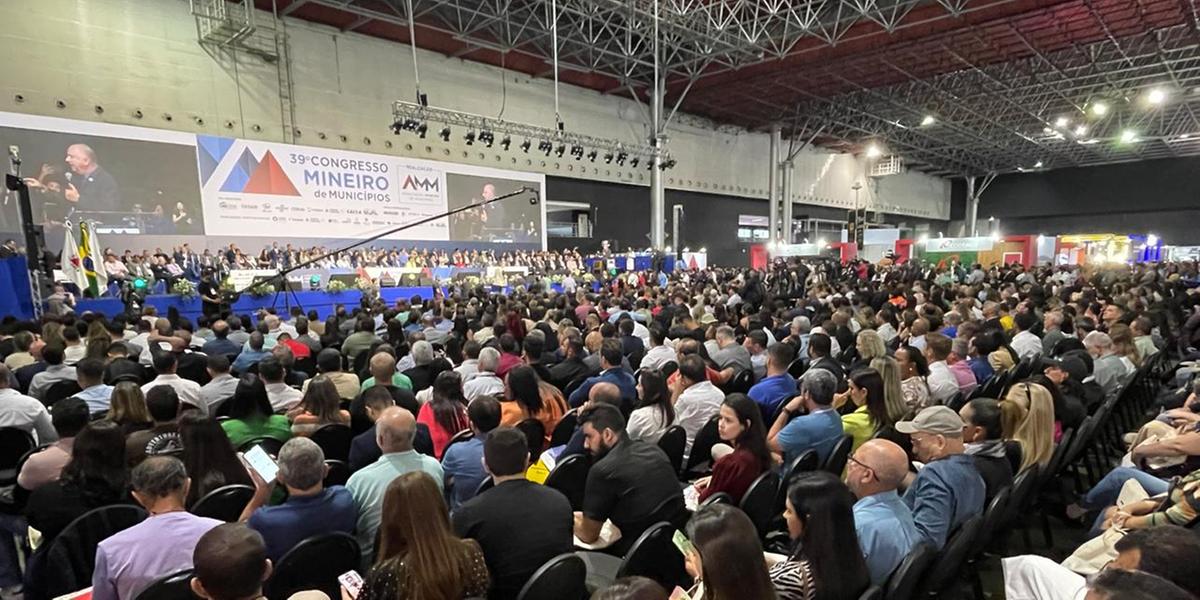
<point>445,134</point>
<point>621,156</point>
<point>1037,165</point>
<point>592,156</point>
<point>1099,108</point>
<point>1185,136</point>
<point>422,129</point>
<point>525,146</point>
<point>1047,130</point>
<point>873,151</point>
<point>1062,122</point>
<point>927,121</point>
<point>560,150</point>
<point>633,163</point>
<point>608,158</point>
<point>470,137</point>
<point>1156,96</point>
<point>1089,141</point>
<point>1081,130</point>
<point>1128,136</point>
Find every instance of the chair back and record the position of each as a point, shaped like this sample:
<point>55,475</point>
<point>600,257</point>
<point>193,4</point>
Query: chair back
<point>315,564</point>
<point>872,593</point>
<point>948,567</point>
<point>797,367</point>
<point>706,438</point>
<point>570,477</point>
<point>535,436</point>
<point>673,442</point>
<point>993,517</point>
<point>461,436</point>
<point>740,384</point>
<point>339,472</point>
<point>224,503</point>
<point>485,485</point>
<point>561,578</point>
<point>654,555</point>
<point>836,461</point>
<point>759,501</point>
<point>902,584</point>
<point>307,365</point>
<point>71,557</point>
<point>176,586</point>
<point>564,429</point>
<point>270,445</point>
<point>807,461</point>
<point>61,390</point>
<point>1023,489</point>
<point>14,444</point>
<point>668,368</point>
<point>573,385</point>
<point>334,440</point>
<point>717,498</point>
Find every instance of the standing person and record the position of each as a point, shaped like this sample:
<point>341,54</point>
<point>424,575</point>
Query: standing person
<point>826,562</point>
<point>210,294</point>
<point>419,556</point>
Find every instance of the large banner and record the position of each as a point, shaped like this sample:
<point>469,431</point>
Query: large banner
<point>141,181</point>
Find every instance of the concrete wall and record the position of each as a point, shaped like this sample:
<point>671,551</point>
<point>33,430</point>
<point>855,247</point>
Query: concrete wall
<point>107,59</point>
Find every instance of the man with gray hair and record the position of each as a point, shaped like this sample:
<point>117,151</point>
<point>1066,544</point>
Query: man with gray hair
<point>310,509</point>
<point>484,382</point>
<point>798,335</point>
<point>129,561</point>
<point>421,374</point>
<point>819,428</point>
<point>394,432</point>
<point>1107,369</point>
<point>730,357</point>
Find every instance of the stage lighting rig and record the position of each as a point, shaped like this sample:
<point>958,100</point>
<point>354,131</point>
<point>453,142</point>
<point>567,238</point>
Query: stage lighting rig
<point>545,147</point>
<point>525,146</point>
<point>633,163</point>
<point>506,142</point>
<point>621,156</point>
<point>608,158</point>
<point>577,152</point>
<point>469,138</point>
<point>487,138</point>
<point>445,134</point>
<point>592,156</point>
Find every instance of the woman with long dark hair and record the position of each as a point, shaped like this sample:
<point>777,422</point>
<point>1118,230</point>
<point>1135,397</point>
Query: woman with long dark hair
<point>251,416</point>
<point>827,563</point>
<point>419,558</point>
<point>740,425</point>
<point>96,476</point>
<point>726,558</point>
<point>913,371</point>
<point>871,415</point>
<point>528,397</point>
<point>654,412</point>
<point>208,456</point>
<point>446,413</point>
<point>321,405</point>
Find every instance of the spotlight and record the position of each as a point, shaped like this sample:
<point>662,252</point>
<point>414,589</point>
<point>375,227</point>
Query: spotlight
<point>1037,165</point>
<point>487,138</point>
<point>545,146</point>
<point>1062,122</point>
<point>621,156</point>
<point>577,152</point>
<point>669,164</point>
<point>1128,136</point>
<point>525,146</point>
<point>445,134</point>
<point>928,120</point>
<point>592,156</point>
<point>634,163</point>
<point>608,157</point>
<point>873,151</point>
<point>422,129</point>
<point>1099,108</point>
<point>470,137</point>
<point>1081,130</point>
<point>1156,96</point>
<point>397,127</point>
<point>560,150</point>
<point>506,142</point>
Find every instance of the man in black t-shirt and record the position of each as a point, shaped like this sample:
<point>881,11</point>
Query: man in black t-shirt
<point>630,483</point>
<point>210,295</point>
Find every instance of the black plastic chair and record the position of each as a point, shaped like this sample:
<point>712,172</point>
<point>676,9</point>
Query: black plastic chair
<point>71,557</point>
<point>315,564</point>
<point>717,498</point>
<point>14,445</point>
<point>740,383</point>
<point>561,578</point>
<point>224,503</point>
<point>654,555</point>
<point>564,429</point>
<point>673,442</point>
<point>797,368</point>
<point>1023,489</point>
<point>485,485</point>
<point>992,518</point>
<point>60,390</point>
<point>872,593</point>
<point>570,477</point>
<point>459,437</point>
<point>836,461</point>
<point>572,386</point>
<point>668,368</point>
<point>270,445</point>
<point>702,446</point>
<point>807,461</point>
<point>949,566</point>
<point>535,436</point>
<point>334,440</point>
<point>902,584</point>
<point>339,472</point>
<point>176,586</point>
<point>759,501</point>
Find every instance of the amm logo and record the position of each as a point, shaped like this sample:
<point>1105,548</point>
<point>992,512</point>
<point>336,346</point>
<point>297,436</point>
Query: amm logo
<point>420,183</point>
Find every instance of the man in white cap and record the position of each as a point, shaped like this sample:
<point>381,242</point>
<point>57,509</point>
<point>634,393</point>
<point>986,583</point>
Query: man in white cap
<point>948,490</point>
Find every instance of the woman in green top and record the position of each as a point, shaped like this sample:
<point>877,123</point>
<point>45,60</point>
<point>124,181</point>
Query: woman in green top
<point>866,392</point>
<point>250,415</point>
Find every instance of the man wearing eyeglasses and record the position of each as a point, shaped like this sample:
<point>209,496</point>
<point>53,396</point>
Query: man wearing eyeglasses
<point>883,522</point>
<point>949,489</point>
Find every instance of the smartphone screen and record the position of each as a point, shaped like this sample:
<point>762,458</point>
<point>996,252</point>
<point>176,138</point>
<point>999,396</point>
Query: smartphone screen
<point>682,543</point>
<point>262,463</point>
<point>352,582</point>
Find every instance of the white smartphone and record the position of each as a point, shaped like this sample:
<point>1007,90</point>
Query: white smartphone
<point>352,582</point>
<point>262,463</point>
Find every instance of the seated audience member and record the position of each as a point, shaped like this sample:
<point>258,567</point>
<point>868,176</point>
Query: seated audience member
<point>361,340</point>
<point>55,372</point>
<point>120,367</point>
<point>730,357</point>
<point>883,522</point>
<point>394,433</point>
<point>572,367</point>
<point>311,509</point>
<point>740,426</point>
<point>254,352</point>
<point>1169,552</point>
<point>90,374</point>
<point>778,386</point>
<point>820,354</point>
<point>1107,369</point>
<point>826,561</point>
<point>420,375</point>
<point>914,384</point>
<point>319,406</point>
<point>527,398</point>
<point>484,382</point>
<point>163,437</point>
<point>470,364</point>
<point>21,356</point>
<point>820,428</point>
<point>960,367</point>
<point>612,372</point>
<point>1119,584</point>
<point>230,562</point>
<point>129,561</point>
<point>446,413</point>
<point>632,588</point>
<point>497,518</point>
<point>654,411</point>
<point>726,558</point>
<point>69,417</point>
<point>984,442</point>
<point>281,396</point>
<point>1024,341</point>
<point>221,384</point>
<point>628,482</point>
<point>943,385</point>
<point>188,391</point>
<point>250,415</point>
<point>220,345</point>
<point>128,408</point>
<point>948,490</point>
<point>419,556</point>
<point>462,463</point>
<point>1027,417</point>
<point>23,412</point>
<point>329,364</point>
<point>866,392</point>
<point>208,457</point>
<point>659,353</point>
<point>695,398</point>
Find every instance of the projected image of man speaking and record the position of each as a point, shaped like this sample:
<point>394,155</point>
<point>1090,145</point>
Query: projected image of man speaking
<point>90,188</point>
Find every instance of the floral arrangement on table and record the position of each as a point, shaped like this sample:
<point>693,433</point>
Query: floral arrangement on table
<point>227,285</point>
<point>368,287</point>
<point>262,289</point>
<point>556,278</point>
<point>185,288</point>
<point>589,278</point>
<point>336,286</point>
